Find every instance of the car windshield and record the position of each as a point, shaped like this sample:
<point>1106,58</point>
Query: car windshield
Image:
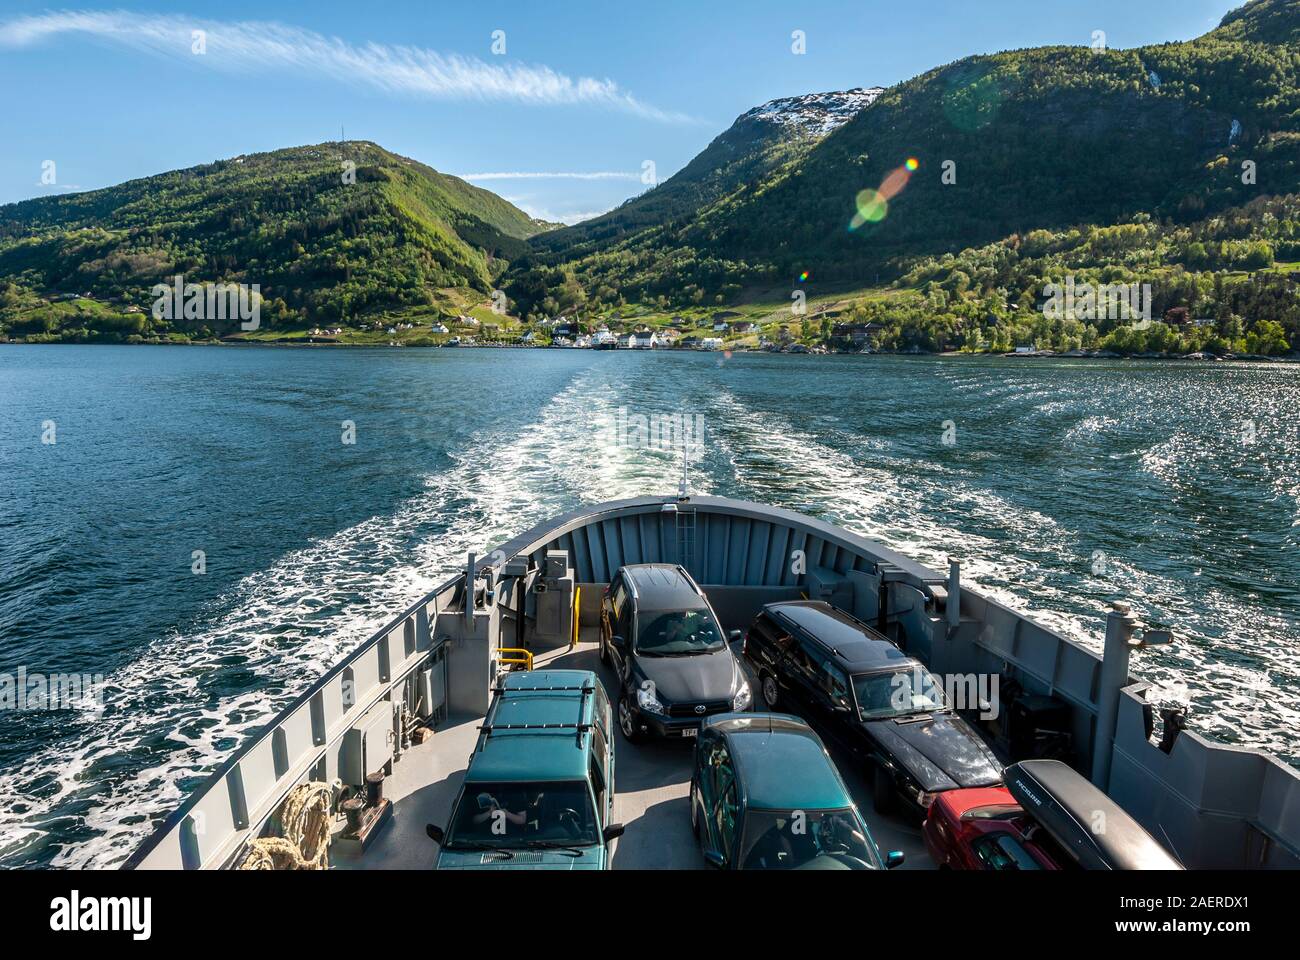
<point>678,632</point>
<point>882,695</point>
<point>786,840</point>
<point>523,815</point>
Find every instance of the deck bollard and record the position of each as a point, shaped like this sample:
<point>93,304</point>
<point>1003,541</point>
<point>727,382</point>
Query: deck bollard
<point>1120,623</point>
<point>953,605</point>
<point>1121,641</point>
<point>470,574</point>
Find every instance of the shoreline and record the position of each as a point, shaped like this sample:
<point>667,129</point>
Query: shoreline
<point>1037,355</point>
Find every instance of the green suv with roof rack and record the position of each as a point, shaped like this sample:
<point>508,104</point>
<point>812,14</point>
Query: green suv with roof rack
<point>539,790</point>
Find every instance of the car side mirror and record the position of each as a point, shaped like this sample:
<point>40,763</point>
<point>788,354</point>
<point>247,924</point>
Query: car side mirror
<point>714,859</point>
<point>613,832</point>
<point>435,833</point>
<point>734,635</point>
<point>894,859</point>
<point>617,642</point>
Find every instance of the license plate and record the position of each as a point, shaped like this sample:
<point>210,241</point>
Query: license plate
<point>690,732</point>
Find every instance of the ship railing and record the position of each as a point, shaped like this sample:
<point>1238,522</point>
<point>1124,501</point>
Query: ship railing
<point>515,655</point>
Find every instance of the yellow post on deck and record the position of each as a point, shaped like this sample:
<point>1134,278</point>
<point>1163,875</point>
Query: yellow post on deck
<point>577,612</point>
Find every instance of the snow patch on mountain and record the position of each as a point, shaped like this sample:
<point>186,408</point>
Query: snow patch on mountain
<point>816,114</point>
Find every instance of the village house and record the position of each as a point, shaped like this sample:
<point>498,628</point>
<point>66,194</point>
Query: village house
<point>854,334</point>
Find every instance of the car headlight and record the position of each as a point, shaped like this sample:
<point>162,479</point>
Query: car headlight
<point>647,701</point>
<point>743,697</point>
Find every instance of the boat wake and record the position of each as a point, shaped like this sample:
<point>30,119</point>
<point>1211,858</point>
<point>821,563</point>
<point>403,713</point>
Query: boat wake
<point>180,708</point>
<point>194,696</point>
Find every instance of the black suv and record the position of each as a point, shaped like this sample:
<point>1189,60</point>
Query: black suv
<point>674,667</point>
<point>870,697</point>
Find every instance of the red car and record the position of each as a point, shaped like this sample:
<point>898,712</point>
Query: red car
<point>982,829</point>
<point>1047,817</point>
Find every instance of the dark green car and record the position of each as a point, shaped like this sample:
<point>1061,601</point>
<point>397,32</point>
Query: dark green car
<point>538,793</point>
<point>766,796</point>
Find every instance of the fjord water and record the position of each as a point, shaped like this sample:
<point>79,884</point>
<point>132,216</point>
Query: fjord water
<point>1069,484</point>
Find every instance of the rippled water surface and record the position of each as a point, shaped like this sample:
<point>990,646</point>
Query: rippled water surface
<point>1069,484</point>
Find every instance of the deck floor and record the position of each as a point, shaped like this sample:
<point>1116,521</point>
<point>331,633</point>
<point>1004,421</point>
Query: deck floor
<point>651,787</point>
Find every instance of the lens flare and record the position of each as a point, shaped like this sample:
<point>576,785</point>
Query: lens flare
<point>973,99</point>
<point>803,277</point>
<point>873,207</point>
<point>894,183</point>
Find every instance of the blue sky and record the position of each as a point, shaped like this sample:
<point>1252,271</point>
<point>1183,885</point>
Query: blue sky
<point>110,93</point>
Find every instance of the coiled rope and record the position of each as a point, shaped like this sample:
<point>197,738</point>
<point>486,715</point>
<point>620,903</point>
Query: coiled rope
<point>305,833</point>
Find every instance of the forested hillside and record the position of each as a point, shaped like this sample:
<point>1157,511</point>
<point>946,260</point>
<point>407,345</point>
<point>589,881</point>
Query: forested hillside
<point>330,233</point>
<point>1169,142</point>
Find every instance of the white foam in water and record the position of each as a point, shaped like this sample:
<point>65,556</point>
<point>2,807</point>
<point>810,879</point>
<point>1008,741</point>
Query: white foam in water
<point>285,624</point>
<point>1022,566</point>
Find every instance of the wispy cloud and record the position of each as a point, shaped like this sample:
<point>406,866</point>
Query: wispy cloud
<point>258,47</point>
<point>568,217</point>
<point>542,175</point>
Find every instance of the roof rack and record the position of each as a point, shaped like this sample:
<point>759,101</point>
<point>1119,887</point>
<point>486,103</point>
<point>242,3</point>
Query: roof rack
<point>501,688</point>
<point>579,728</point>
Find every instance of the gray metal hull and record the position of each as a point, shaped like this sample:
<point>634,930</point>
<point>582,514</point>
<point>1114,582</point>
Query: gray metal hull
<point>1213,805</point>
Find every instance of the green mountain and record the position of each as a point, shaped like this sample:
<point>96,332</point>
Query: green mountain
<point>760,142</point>
<point>1049,138</point>
<point>1262,21</point>
<point>330,233</point>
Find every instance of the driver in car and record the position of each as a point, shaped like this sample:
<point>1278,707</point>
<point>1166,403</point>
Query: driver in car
<point>838,834</point>
<point>489,808</point>
<point>678,630</point>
